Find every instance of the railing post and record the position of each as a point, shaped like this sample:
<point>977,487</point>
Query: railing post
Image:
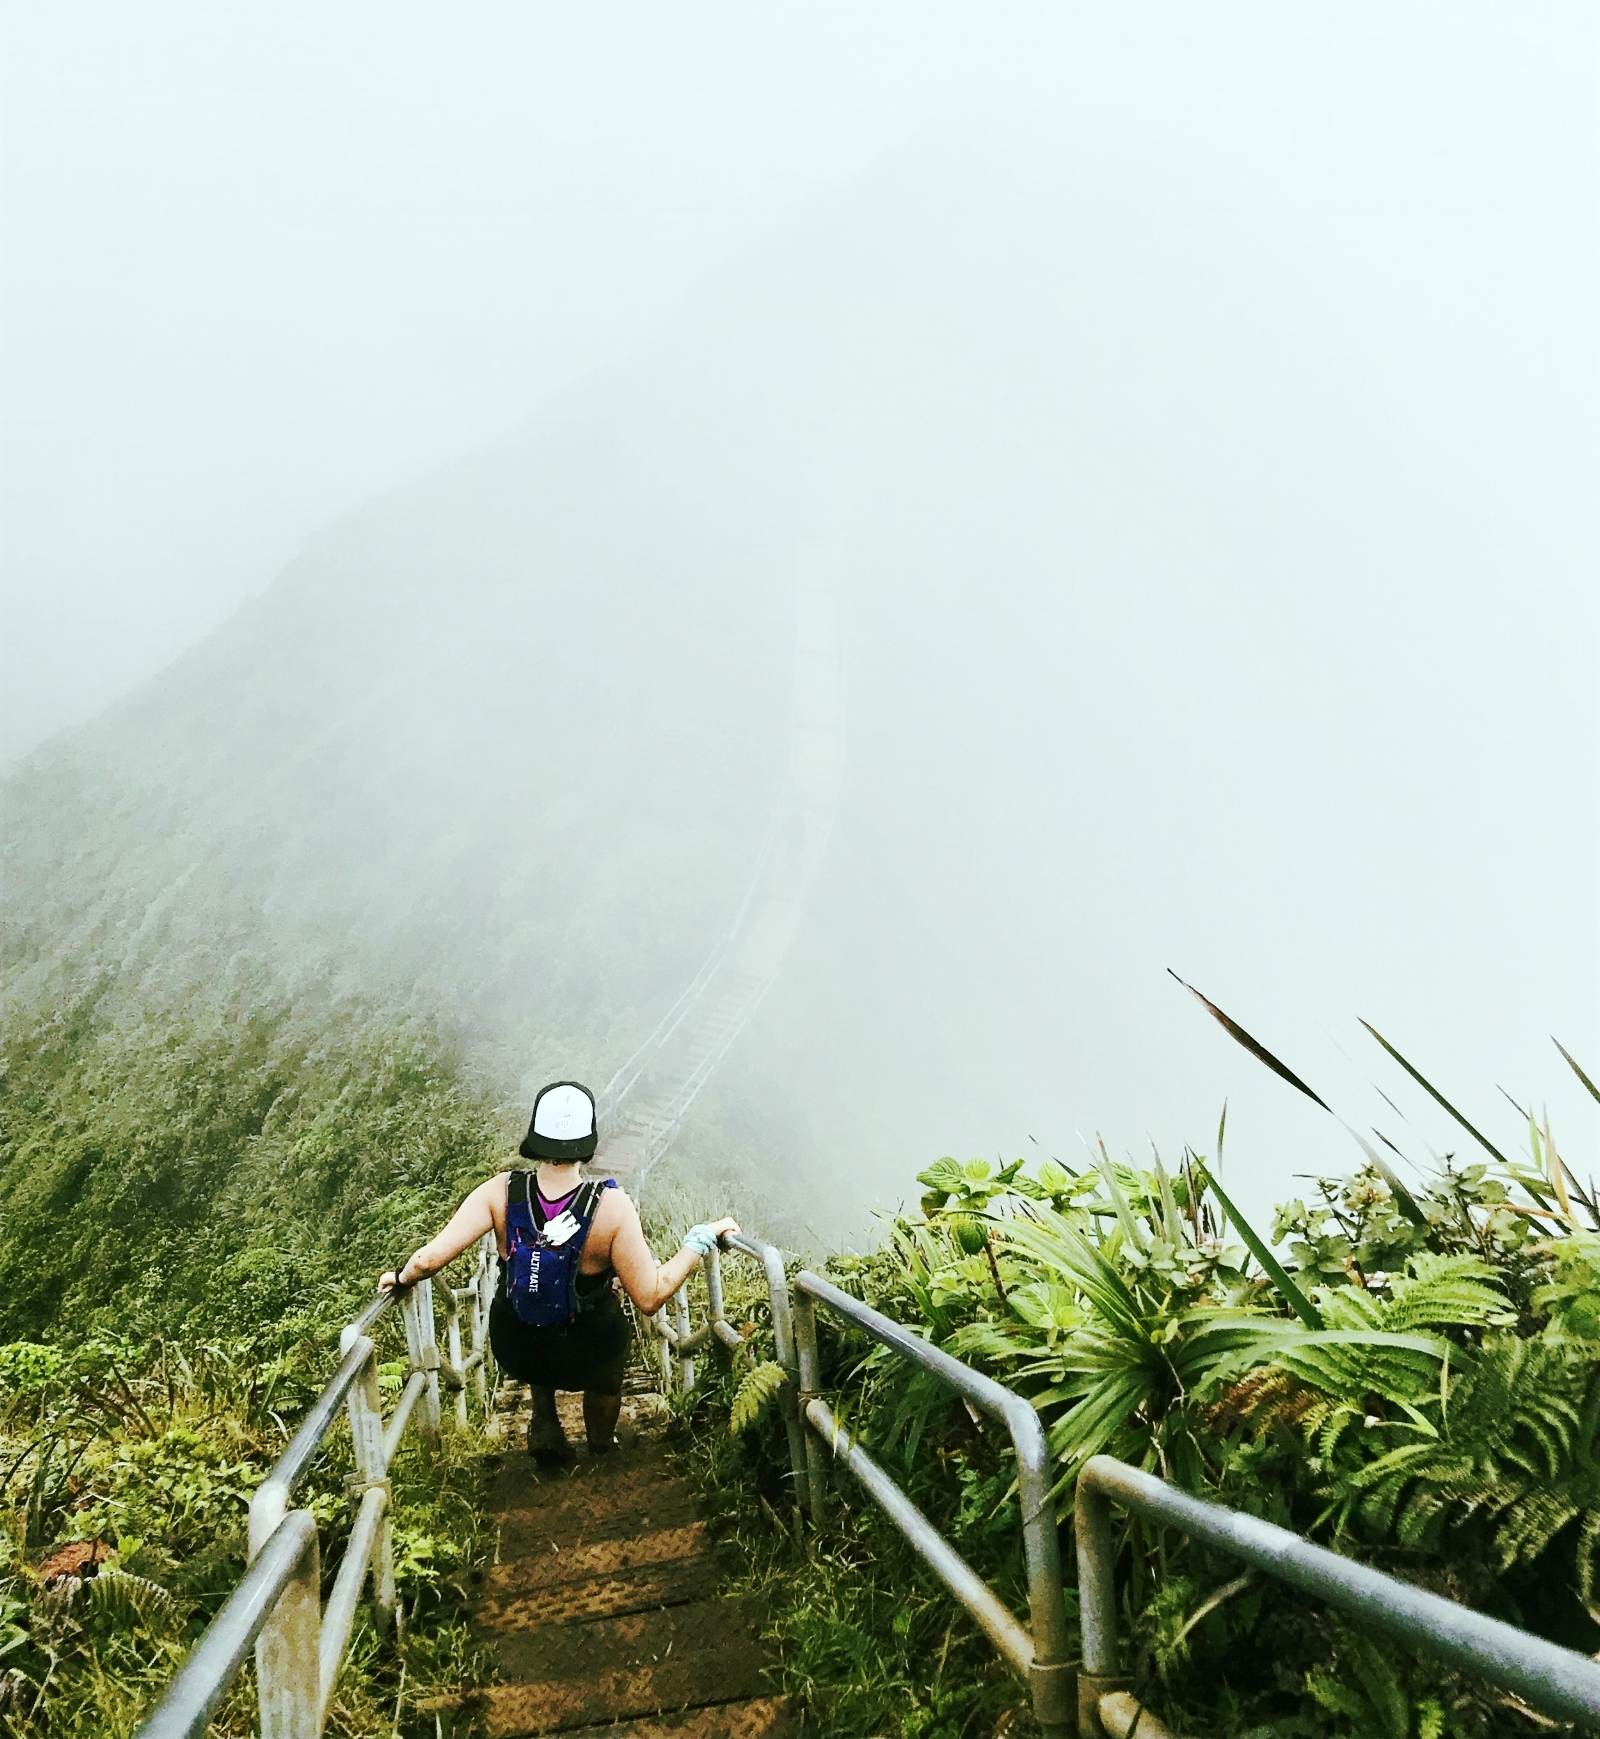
<point>423,1351</point>
<point>805,1340</point>
<point>713,1267</point>
<point>1097,1605</point>
<point>664,1349</point>
<point>783,1338</point>
<point>268,1507</point>
<point>453,1351</point>
<point>1050,1675</point>
<point>288,1678</point>
<point>680,1314</point>
<point>482,1297</point>
<point>365,1407</point>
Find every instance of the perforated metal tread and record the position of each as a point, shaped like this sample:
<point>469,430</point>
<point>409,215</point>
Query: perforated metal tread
<point>542,1565</point>
<point>755,1718</point>
<point>596,1509</point>
<point>677,1657</point>
<point>611,1596</point>
<point>602,1615</point>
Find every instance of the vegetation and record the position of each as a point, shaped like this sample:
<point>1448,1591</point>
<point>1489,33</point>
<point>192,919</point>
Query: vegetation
<point>128,1471</point>
<point>193,1203</point>
<point>1416,1385</point>
<point>227,1163</point>
<point>196,1189</point>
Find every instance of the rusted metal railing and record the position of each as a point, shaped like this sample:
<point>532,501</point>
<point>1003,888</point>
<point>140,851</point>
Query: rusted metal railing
<point>1092,1698</point>
<point>299,1643</point>
<point>1554,1680</point>
<point>1037,1652</point>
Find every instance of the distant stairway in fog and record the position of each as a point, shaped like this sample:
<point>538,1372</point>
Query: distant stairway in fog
<point>642,1107</point>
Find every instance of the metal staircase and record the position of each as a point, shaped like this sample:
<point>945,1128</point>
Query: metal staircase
<point>642,1108</point>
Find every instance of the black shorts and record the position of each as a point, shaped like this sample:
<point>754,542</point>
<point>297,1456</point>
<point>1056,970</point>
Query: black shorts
<point>589,1353</point>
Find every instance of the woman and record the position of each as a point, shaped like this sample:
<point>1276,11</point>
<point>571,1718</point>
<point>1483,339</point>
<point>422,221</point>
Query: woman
<point>601,1225</point>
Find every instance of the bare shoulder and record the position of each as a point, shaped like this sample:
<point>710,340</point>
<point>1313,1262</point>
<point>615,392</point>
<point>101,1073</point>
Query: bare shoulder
<point>494,1194</point>
<point>615,1209</point>
<point>614,1212</point>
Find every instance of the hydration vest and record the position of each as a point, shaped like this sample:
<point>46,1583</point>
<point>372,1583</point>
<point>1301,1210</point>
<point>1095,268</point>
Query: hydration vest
<point>541,1270</point>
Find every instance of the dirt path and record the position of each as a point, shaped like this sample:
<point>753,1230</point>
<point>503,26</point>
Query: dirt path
<point>600,1612</point>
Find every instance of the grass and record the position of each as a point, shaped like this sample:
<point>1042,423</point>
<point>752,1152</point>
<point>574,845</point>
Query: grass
<point>142,1459</point>
<point>1417,1385</point>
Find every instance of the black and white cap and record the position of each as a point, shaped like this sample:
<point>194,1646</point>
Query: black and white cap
<point>562,1126</point>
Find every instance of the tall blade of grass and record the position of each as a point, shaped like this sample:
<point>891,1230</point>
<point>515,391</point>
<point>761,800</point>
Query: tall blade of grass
<point>1119,1201</point>
<point>1256,1049</point>
<point>1169,1202</point>
<point>1433,1092</point>
<point>1520,1110</point>
<point>1404,1199</point>
<point>1191,1192</point>
<point>1575,1066</point>
<point>1556,1169</point>
<point>1271,1266</point>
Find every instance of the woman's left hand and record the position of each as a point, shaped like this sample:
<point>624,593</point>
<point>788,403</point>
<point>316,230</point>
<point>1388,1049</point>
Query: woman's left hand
<point>387,1279</point>
<point>702,1239</point>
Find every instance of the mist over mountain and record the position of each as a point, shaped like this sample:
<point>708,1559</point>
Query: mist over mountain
<point>1162,649</point>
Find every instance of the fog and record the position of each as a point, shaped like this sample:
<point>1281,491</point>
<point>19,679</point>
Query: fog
<point>1182,426</point>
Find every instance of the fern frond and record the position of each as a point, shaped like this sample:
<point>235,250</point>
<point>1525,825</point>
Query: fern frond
<point>1331,1425</point>
<point>1265,1398</point>
<point>1419,1522</point>
<point>1531,1526</point>
<point>1588,1538</point>
<point>1381,1684</point>
<point>1444,1290</point>
<point>757,1389</point>
<point>132,1603</point>
<point>1335,1697</point>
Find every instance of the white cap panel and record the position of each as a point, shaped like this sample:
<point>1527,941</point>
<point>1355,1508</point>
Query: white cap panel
<point>564,1114</point>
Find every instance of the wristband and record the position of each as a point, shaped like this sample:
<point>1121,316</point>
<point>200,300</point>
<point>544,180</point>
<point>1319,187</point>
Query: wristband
<point>701,1239</point>
<point>399,1269</point>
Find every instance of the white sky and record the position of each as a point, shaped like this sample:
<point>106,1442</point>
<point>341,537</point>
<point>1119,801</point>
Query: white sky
<point>262,262</point>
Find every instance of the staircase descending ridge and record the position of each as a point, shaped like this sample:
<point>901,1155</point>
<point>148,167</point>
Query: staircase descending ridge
<point>643,1106</point>
<point>600,1611</point>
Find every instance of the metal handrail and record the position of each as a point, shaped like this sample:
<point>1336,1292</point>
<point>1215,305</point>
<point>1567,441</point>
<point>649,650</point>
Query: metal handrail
<point>213,1664</point>
<point>1552,1679</point>
<point>1555,1680</point>
<point>300,1644</point>
<point>1046,1667</point>
<point>1038,1653</point>
<point>289,1468</point>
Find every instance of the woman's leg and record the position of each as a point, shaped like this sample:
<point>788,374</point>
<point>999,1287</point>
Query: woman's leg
<point>547,1442</point>
<point>524,1354</point>
<point>600,1420</point>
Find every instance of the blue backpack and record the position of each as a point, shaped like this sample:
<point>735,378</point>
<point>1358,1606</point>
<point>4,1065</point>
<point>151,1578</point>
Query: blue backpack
<point>541,1276</point>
